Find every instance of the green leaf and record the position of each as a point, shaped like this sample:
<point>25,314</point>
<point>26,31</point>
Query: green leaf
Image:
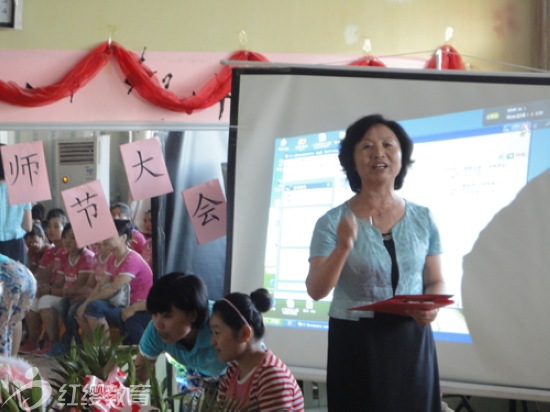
<point>36,390</point>
<point>156,389</point>
<point>7,401</point>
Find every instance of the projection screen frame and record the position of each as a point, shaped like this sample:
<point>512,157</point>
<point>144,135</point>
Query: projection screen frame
<point>239,126</point>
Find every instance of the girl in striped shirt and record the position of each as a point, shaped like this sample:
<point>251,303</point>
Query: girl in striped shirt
<point>256,379</point>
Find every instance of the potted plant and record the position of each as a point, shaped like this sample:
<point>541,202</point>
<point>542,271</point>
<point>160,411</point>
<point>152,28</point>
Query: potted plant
<point>94,372</point>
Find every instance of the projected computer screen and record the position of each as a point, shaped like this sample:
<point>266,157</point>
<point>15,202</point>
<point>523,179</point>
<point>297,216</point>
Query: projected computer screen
<point>468,166</point>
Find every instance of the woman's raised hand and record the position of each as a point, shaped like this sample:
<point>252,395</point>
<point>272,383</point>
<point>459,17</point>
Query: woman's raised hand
<point>347,231</point>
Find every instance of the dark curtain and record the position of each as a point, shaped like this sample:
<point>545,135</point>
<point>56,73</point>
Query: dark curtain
<point>192,158</point>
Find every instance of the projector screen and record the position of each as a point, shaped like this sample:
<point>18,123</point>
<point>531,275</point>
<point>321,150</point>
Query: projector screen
<point>482,144</point>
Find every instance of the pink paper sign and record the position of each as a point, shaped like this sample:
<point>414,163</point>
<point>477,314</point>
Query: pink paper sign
<point>26,173</point>
<point>207,209</point>
<point>89,213</point>
<point>145,169</point>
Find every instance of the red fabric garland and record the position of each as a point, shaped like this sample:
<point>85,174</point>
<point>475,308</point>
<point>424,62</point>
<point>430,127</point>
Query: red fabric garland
<point>78,77</point>
<point>144,82</point>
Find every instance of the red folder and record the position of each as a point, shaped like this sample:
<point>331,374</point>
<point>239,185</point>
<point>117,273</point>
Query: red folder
<point>400,304</point>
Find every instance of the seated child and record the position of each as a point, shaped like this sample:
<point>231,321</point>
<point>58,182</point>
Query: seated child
<point>37,245</point>
<point>256,379</point>
<point>180,308</point>
<point>45,275</point>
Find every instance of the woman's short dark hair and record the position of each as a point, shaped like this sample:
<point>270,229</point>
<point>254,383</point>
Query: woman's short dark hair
<point>356,131</point>
<point>182,291</point>
<point>250,307</point>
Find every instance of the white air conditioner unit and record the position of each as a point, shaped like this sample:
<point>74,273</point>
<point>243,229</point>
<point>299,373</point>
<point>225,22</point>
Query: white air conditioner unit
<point>81,160</point>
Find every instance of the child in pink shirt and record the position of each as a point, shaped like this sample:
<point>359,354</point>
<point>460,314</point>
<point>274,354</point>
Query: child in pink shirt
<point>37,245</point>
<point>45,275</point>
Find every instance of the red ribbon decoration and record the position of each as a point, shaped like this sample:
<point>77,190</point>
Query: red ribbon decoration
<point>113,395</point>
<point>450,59</point>
<point>369,60</point>
<point>140,77</point>
<point>144,82</point>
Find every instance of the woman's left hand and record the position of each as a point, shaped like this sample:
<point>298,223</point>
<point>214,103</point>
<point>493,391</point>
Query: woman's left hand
<point>423,317</point>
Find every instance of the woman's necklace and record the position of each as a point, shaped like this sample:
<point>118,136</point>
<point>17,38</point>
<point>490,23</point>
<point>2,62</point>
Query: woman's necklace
<point>381,212</point>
